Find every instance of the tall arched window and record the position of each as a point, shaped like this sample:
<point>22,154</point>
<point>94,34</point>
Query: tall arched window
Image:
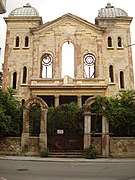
<point>111,74</point>
<point>14,80</point>
<point>109,41</point>
<point>46,64</point>
<point>26,41</point>
<point>89,66</point>
<point>68,59</point>
<point>121,79</point>
<point>17,41</point>
<point>119,42</point>
<point>24,74</point>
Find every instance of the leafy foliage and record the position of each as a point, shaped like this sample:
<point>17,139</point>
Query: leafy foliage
<point>44,152</point>
<point>10,114</point>
<point>90,152</point>
<point>34,120</point>
<point>120,111</point>
<point>67,117</point>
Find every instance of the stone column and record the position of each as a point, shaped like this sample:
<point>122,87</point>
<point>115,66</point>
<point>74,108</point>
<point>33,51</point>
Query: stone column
<point>25,133</point>
<point>105,137</point>
<point>56,100</point>
<point>43,130</point>
<point>57,64</point>
<point>79,101</point>
<point>99,65</point>
<point>78,69</point>
<point>87,129</point>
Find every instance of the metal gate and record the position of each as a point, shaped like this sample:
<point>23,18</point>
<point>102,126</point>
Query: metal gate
<point>66,134</point>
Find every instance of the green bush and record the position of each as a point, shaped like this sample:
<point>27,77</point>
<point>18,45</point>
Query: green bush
<point>44,152</point>
<point>90,152</point>
<point>68,117</point>
<point>11,114</point>
<point>120,111</point>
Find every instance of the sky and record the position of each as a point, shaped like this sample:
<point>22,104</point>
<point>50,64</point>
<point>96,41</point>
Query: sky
<point>52,9</point>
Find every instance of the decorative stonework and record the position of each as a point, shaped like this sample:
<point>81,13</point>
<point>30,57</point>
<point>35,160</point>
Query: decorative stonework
<point>43,124</point>
<point>87,128</point>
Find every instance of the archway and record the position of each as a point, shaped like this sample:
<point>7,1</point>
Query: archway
<point>68,59</point>
<point>25,138</point>
<point>88,130</point>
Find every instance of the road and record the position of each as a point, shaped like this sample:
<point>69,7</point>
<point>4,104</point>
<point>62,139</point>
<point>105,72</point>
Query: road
<point>32,170</point>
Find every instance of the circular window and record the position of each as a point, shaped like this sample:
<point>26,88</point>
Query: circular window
<point>47,60</point>
<point>89,59</point>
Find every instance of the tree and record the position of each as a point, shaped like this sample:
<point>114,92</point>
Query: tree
<point>10,114</point>
<point>68,117</point>
<point>120,111</point>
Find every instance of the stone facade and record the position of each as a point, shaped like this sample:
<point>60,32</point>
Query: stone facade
<point>34,58</point>
<point>122,147</point>
<point>87,39</point>
<point>10,146</point>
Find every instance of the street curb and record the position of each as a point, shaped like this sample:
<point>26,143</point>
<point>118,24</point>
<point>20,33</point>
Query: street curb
<point>68,160</point>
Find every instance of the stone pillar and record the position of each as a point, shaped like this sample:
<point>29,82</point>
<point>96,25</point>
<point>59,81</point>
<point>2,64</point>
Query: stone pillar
<point>99,63</point>
<point>57,64</point>
<point>87,129</point>
<point>25,133</point>
<point>79,101</point>
<point>56,100</point>
<point>43,130</point>
<point>105,137</point>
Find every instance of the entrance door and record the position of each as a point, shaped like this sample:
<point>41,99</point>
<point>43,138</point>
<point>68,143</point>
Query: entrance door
<point>65,130</point>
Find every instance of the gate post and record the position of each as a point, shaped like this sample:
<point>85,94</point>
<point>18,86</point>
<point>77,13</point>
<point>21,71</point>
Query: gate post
<point>43,130</point>
<point>25,133</point>
<point>105,137</point>
<point>43,121</point>
<point>87,129</point>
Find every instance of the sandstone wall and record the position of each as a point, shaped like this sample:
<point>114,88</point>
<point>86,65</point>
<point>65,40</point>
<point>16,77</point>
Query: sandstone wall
<point>122,146</point>
<point>119,146</point>
<point>10,146</point>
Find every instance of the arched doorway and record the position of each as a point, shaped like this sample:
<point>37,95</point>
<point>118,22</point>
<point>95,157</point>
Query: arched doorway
<point>41,141</point>
<point>92,120</point>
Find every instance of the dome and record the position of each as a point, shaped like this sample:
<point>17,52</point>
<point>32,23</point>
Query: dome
<point>111,12</point>
<point>25,11</point>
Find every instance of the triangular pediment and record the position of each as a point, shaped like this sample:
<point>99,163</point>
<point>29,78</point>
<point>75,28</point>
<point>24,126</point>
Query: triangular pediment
<point>67,19</point>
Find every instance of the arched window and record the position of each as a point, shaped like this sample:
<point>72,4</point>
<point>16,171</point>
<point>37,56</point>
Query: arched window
<point>14,80</point>
<point>17,41</point>
<point>46,64</point>
<point>121,79</point>
<point>89,66</point>
<point>24,74</point>
<point>111,74</point>
<point>109,41</point>
<point>119,42</point>
<point>68,59</point>
<point>26,41</point>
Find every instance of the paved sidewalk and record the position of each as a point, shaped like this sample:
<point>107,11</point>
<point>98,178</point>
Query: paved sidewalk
<point>67,160</point>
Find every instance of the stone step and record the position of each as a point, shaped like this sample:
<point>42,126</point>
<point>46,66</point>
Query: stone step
<point>66,154</point>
